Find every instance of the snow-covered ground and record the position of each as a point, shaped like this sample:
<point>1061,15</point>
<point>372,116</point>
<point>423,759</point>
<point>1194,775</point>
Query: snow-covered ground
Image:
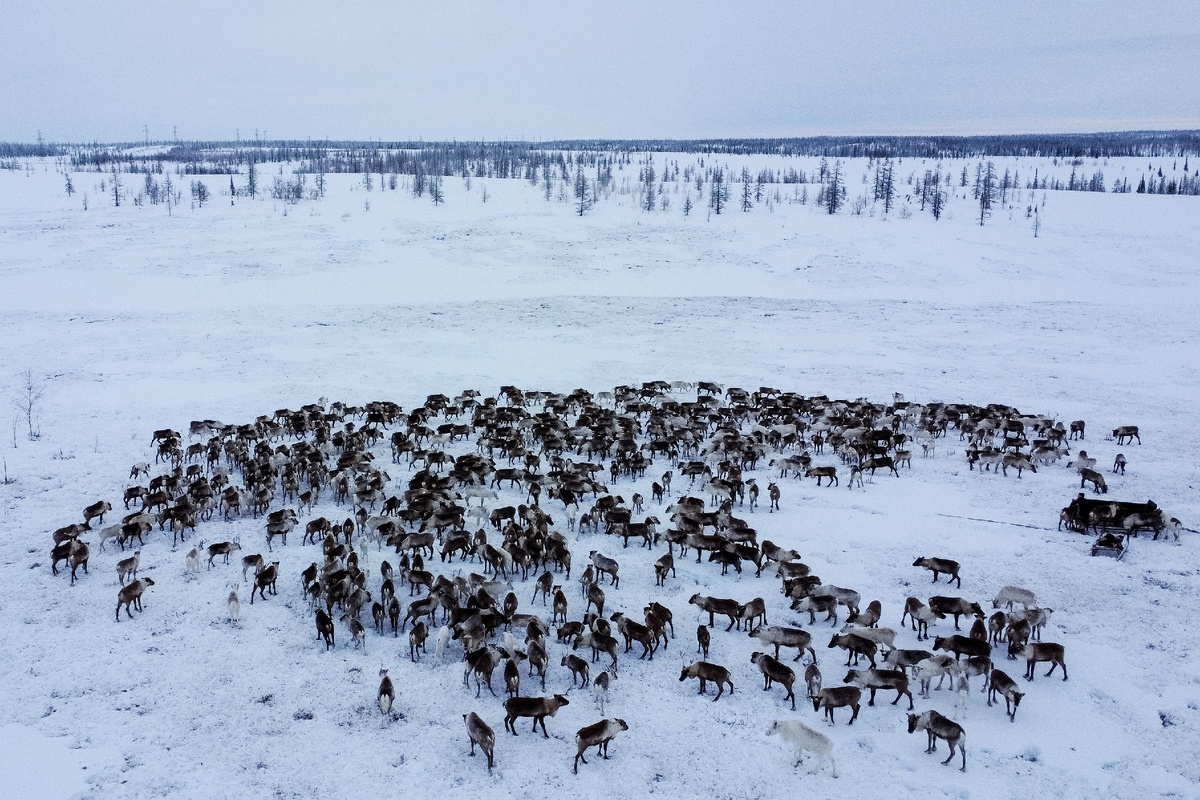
<point>133,320</point>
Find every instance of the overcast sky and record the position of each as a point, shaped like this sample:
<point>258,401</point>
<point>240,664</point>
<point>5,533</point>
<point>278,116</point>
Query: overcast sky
<point>82,71</point>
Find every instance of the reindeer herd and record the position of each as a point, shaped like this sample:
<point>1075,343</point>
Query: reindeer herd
<point>550,451</point>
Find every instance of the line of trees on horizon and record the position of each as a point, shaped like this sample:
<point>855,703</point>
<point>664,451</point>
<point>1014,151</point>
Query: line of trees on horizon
<point>1117,144</point>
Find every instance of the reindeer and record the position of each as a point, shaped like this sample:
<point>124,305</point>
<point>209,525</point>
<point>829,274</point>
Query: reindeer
<point>703,639</point>
<point>223,549</point>
<point>773,496</point>
<point>718,605</point>
<point>480,734</point>
<point>962,645</point>
<point>386,694</point>
<point>256,562</point>
<point>869,618</point>
<point>605,566</point>
<point>601,687</point>
<point>1037,651</point>
<point>804,739</point>
<point>1126,433</point>
<point>854,645</point>
<point>636,631</point>
<point>939,727</point>
<point>812,680</point>
<point>128,567</point>
<point>938,566</point>
<point>1000,683</point>
<point>876,679</point>
<point>599,643</point>
<point>578,667</point>
<point>537,707</point>
<point>1099,486</point>
<point>1017,461</point>
<point>233,604</point>
<point>595,597</point>
<point>1014,594</point>
<point>416,639</point>
<point>265,580</point>
<point>97,509</point>
<point>955,606</point>
<point>324,627</point>
<point>708,672</point>
<point>131,595</point>
<point>665,564</point>
<point>772,670</point>
<point>822,472</point>
<point>838,697</point>
<point>77,557</point>
<point>919,617</point>
<point>786,637</point>
<point>1119,464</point>
<point>597,735</point>
<point>512,673</point>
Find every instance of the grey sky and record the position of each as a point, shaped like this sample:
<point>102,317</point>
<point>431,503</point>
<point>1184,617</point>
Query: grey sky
<point>469,70</point>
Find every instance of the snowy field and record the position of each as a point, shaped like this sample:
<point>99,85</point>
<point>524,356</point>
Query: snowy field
<point>133,320</point>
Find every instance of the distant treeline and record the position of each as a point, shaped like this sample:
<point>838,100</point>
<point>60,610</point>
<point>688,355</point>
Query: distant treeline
<point>347,153</point>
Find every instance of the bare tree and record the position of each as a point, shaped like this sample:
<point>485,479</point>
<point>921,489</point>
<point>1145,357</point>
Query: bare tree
<point>435,189</point>
<point>27,402</point>
<point>747,195</point>
<point>117,194</point>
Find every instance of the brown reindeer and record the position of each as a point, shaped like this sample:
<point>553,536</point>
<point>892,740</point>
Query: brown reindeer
<point>480,734</point>
<point>131,595</point>
<point>597,735</point>
<point>708,672</point>
<point>939,727</point>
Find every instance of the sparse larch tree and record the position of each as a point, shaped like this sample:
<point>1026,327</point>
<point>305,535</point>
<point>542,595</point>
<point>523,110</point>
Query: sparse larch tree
<point>987,191</point>
<point>887,186</point>
<point>937,196</point>
<point>435,190</point>
<point>648,178</point>
<point>583,193</point>
<point>835,192</point>
<point>718,194</point>
<point>747,195</point>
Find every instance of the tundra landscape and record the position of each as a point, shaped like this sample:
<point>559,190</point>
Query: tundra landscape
<point>866,415</point>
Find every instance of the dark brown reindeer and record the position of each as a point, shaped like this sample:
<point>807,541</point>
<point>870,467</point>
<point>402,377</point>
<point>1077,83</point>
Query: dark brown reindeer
<point>939,727</point>
<point>706,672</point>
<point>131,595</point>
<point>537,707</point>
<point>939,566</point>
<point>773,671</point>
<point>838,697</point>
